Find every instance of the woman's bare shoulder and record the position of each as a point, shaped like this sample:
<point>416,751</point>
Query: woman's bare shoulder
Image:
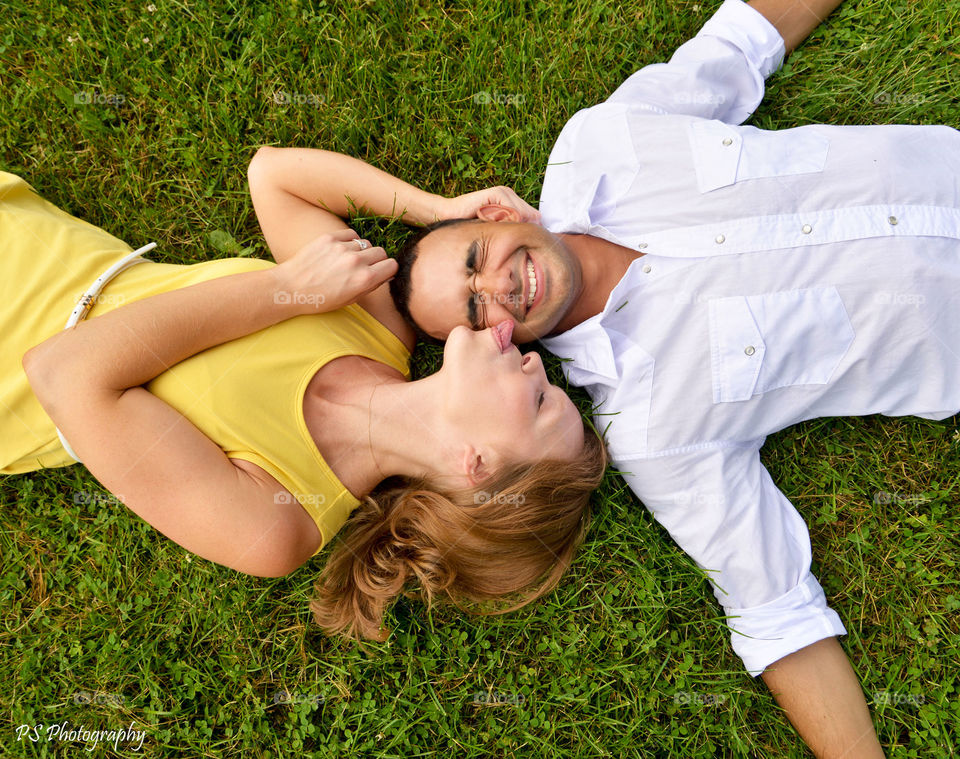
<point>286,506</point>
<point>380,306</point>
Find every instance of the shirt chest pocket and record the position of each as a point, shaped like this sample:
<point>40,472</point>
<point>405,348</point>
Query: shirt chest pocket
<point>723,154</point>
<point>762,342</point>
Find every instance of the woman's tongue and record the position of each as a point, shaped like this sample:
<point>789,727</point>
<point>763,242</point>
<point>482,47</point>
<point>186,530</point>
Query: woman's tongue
<point>502,333</point>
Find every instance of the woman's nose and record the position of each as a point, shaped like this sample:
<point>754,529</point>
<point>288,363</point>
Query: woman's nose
<point>531,362</point>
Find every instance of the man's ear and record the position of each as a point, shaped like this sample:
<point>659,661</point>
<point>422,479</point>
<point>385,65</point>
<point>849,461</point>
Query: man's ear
<point>498,213</point>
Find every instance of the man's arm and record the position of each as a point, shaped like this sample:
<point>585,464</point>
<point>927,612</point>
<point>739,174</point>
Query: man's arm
<point>794,19</point>
<point>723,509</point>
<point>718,74</point>
<point>818,689</point>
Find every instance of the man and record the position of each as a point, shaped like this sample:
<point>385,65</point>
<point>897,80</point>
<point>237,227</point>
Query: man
<point>711,284</point>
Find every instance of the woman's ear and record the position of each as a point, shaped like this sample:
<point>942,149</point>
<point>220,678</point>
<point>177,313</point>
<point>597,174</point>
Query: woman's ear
<point>474,466</point>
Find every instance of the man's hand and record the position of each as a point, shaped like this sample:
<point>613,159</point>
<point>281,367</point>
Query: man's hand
<point>466,206</point>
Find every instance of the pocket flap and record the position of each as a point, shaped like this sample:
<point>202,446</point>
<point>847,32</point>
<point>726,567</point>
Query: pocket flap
<point>736,348</point>
<point>716,153</point>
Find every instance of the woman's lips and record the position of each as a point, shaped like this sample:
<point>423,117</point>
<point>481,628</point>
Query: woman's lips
<point>502,334</point>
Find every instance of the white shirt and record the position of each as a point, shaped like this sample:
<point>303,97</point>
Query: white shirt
<point>787,275</point>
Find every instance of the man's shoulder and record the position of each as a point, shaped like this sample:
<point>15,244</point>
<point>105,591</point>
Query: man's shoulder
<point>595,143</point>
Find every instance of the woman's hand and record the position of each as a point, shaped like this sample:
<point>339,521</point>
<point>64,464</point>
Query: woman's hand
<point>332,271</point>
<point>466,206</point>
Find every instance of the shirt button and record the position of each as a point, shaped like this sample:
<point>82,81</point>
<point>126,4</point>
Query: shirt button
<point>749,350</point>
<point>893,221</point>
<point>807,229</point>
<point>720,239</point>
<point>647,268</point>
<point>641,246</point>
<point>727,141</point>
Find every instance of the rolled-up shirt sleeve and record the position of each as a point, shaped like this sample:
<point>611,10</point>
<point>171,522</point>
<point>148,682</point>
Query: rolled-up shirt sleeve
<point>719,74</point>
<point>720,505</point>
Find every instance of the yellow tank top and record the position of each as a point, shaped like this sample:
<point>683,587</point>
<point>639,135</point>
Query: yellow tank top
<point>246,395</point>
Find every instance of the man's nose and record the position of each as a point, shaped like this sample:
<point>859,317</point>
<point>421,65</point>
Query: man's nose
<point>498,285</point>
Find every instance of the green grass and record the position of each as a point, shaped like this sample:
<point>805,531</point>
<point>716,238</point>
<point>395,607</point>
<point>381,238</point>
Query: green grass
<point>108,623</point>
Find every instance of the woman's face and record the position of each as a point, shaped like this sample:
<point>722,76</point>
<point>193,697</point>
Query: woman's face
<point>502,401</point>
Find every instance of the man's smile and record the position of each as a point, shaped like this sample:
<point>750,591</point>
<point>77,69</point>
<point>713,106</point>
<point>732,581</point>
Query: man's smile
<point>534,282</point>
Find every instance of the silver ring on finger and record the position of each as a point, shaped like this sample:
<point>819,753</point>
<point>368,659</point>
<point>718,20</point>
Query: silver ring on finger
<point>363,244</point>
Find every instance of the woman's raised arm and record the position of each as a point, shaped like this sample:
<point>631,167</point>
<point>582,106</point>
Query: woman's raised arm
<point>299,193</point>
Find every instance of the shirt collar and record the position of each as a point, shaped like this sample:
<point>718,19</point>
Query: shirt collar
<point>587,352</point>
<point>587,345</point>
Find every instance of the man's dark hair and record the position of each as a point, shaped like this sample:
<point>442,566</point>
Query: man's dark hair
<point>400,284</point>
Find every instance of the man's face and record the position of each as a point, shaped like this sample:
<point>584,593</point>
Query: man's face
<point>480,273</point>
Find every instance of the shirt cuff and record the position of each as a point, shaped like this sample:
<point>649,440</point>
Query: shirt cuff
<point>764,634</point>
<point>748,29</point>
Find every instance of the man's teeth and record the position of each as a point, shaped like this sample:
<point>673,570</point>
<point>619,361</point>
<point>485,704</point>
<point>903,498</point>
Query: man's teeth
<point>532,278</point>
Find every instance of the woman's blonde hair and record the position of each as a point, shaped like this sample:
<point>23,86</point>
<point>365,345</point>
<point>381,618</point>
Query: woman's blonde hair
<point>521,530</point>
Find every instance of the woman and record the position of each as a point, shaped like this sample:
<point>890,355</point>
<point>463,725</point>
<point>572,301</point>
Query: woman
<point>245,409</point>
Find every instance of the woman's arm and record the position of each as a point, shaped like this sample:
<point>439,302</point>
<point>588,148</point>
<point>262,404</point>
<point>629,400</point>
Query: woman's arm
<point>147,453</point>
<point>132,344</point>
<point>299,193</point>
<point>288,219</point>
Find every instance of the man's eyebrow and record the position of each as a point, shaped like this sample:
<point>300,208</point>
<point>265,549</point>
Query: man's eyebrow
<point>471,301</point>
